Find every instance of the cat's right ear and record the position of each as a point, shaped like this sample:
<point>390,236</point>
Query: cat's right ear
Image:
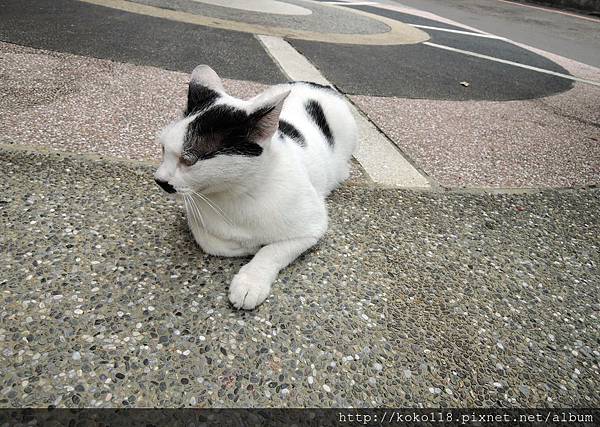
<point>204,89</point>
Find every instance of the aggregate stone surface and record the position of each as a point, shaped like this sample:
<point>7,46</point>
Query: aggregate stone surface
<point>411,299</point>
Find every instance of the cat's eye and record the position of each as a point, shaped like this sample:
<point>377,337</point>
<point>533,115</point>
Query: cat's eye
<point>188,159</point>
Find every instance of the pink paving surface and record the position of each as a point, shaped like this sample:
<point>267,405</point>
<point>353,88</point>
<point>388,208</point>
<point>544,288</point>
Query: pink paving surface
<point>88,105</point>
<point>548,142</point>
<point>79,104</point>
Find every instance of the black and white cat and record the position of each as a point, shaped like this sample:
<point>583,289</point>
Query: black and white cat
<point>254,173</point>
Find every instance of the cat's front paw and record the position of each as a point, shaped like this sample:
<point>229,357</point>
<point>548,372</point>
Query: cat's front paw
<point>248,290</point>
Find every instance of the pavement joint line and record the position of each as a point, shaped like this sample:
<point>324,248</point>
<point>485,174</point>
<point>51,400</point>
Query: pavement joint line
<point>380,158</point>
<point>151,164</point>
<point>467,33</point>
<point>516,64</point>
<point>362,117</point>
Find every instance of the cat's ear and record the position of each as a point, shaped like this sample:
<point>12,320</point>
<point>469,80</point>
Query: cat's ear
<point>204,89</point>
<point>205,76</point>
<point>265,116</point>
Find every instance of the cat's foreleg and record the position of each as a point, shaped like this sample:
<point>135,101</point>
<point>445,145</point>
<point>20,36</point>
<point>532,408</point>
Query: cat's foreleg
<point>252,284</point>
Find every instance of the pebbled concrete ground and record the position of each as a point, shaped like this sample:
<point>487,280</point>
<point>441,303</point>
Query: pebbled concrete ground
<point>433,299</point>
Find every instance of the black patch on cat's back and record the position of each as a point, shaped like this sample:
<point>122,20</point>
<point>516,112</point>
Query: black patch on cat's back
<point>222,130</point>
<point>199,98</point>
<point>292,132</point>
<point>316,113</point>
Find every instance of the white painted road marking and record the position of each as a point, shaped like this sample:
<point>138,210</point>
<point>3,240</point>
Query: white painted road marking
<point>468,33</point>
<point>380,158</point>
<point>546,9</point>
<point>516,64</point>
<point>291,61</point>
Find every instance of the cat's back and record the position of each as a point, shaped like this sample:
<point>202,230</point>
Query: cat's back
<point>319,122</point>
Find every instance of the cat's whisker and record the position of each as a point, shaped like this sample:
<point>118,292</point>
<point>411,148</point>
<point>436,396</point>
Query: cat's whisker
<point>247,194</point>
<point>188,209</point>
<point>213,205</point>
<point>197,210</point>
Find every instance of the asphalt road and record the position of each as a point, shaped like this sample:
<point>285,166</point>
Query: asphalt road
<point>101,32</point>
<point>427,72</point>
<point>433,73</point>
<point>568,36</point>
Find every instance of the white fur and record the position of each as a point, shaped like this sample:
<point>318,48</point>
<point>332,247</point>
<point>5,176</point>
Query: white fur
<point>271,206</point>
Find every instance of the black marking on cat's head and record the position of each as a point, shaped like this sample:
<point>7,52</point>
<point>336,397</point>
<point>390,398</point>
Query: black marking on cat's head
<point>204,89</point>
<point>199,98</point>
<point>224,130</point>
<point>316,113</point>
<point>289,130</point>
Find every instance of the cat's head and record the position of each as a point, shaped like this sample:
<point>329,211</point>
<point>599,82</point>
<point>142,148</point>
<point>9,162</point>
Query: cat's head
<point>220,141</point>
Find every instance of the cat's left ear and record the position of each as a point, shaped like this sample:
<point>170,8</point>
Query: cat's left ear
<point>265,117</point>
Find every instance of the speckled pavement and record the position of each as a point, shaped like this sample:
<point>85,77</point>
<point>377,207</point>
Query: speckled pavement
<point>87,105</point>
<point>551,142</point>
<point>432,299</point>
<point>412,299</point>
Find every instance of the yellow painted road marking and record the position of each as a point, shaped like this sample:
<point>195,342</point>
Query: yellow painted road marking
<point>399,33</point>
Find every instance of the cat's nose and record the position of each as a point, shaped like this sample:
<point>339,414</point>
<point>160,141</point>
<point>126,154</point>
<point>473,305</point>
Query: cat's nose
<point>165,186</point>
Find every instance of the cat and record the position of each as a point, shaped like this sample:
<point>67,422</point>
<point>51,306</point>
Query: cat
<point>254,174</point>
